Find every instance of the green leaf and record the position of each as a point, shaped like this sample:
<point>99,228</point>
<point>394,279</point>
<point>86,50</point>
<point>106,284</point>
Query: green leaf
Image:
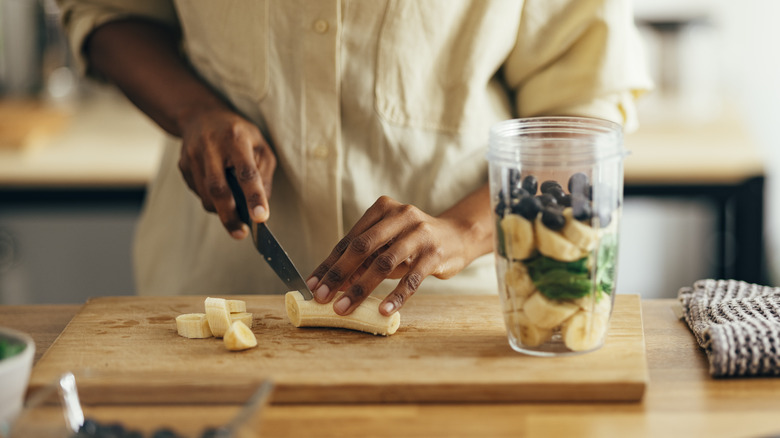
<point>560,284</point>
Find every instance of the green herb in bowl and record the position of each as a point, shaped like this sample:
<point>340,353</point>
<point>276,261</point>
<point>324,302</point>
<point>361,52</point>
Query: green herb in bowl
<point>9,348</point>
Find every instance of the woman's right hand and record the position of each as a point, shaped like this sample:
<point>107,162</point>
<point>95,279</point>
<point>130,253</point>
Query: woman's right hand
<point>215,139</point>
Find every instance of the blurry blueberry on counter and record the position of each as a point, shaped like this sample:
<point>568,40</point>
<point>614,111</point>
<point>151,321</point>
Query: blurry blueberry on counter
<point>517,193</point>
<point>530,184</point>
<point>547,186</point>
<point>553,218</point>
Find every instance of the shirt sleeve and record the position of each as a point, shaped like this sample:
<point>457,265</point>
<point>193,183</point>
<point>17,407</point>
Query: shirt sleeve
<point>578,58</point>
<point>81,17</point>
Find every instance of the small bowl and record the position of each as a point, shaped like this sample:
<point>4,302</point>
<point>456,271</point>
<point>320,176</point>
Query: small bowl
<point>14,374</point>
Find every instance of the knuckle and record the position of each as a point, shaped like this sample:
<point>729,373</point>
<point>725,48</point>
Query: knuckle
<point>217,189</point>
<point>246,173</point>
<point>334,275</point>
<point>320,271</point>
<point>412,281</point>
<point>399,298</point>
<point>358,291</point>
<point>342,245</point>
<point>384,202</point>
<point>385,263</point>
<point>361,244</point>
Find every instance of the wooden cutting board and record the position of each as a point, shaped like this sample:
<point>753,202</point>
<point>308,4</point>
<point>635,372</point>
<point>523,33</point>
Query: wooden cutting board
<point>448,349</point>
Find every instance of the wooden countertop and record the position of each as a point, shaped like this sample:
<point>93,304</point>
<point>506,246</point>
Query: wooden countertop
<point>105,142</point>
<point>681,399</point>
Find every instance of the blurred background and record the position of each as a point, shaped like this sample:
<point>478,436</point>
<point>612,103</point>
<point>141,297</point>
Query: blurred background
<point>701,181</point>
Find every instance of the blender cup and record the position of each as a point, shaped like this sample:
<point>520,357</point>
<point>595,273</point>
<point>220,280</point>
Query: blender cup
<point>556,186</point>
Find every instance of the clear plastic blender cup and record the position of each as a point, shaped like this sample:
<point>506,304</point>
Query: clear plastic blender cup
<point>556,185</point>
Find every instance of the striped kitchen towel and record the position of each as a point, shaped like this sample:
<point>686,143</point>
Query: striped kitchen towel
<point>737,324</point>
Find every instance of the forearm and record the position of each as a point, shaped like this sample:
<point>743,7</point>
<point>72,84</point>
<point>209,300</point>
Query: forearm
<point>474,216</point>
<point>142,58</point>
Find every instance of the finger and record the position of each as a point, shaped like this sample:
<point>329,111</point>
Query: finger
<point>408,285</point>
<point>218,190</point>
<point>248,177</point>
<point>382,266</point>
<point>373,215</point>
<point>360,248</point>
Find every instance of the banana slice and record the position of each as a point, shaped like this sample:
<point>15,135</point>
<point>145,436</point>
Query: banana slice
<point>236,306</point>
<point>585,330</point>
<point>366,318</point>
<point>239,337</point>
<point>244,317</point>
<point>546,313</point>
<point>518,236</point>
<point>217,315</point>
<point>529,334</point>
<point>193,326</point>
<point>580,234</point>
<point>553,244</point>
<point>519,283</point>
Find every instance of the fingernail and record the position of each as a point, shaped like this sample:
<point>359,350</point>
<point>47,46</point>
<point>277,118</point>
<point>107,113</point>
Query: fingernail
<point>388,307</point>
<point>322,293</point>
<point>312,282</point>
<point>238,234</point>
<point>342,305</point>
<point>258,212</point>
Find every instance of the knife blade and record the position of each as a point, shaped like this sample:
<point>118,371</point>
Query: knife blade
<point>266,244</point>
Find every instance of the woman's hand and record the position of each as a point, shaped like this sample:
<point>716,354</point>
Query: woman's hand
<point>395,240</point>
<point>215,139</point>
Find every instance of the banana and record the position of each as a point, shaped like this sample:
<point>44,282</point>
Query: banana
<point>239,337</point>
<point>193,326</point>
<point>217,315</point>
<point>519,283</point>
<point>518,236</point>
<point>580,234</point>
<point>244,317</point>
<point>526,332</point>
<point>554,245</point>
<point>366,318</point>
<point>236,306</point>
<point>546,313</point>
<point>585,330</point>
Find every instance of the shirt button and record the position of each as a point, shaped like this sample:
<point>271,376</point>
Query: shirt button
<point>320,152</point>
<point>321,26</point>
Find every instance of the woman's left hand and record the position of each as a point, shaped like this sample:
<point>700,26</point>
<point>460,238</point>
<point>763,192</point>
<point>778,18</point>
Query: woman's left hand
<point>395,240</point>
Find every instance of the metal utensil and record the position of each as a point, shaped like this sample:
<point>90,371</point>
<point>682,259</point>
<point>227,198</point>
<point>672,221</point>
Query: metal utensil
<point>266,243</point>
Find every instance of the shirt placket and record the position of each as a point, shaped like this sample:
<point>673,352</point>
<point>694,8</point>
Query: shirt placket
<point>321,118</point>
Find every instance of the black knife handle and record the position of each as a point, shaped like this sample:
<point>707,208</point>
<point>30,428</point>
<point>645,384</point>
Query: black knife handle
<point>238,195</point>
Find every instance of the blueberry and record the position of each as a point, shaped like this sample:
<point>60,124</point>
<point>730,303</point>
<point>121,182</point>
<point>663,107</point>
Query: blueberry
<point>164,433</point>
<point>558,194</point>
<point>530,184</point>
<point>528,208</point>
<point>578,183</point>
<point>547,199</point>
<point>553,218</point>
<point>580,207</point>
<point>565,201</point>
<point>514,178</point>
<point>517,193</point>
<point>90,427</point>
<point>551,185</point>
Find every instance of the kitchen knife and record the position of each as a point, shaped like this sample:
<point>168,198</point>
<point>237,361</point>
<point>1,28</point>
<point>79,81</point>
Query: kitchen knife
<point>266,244</point>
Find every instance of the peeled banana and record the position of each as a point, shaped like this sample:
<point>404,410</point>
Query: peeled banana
<point>193,326</point>
<point>585,330</point>
<point>519,283</point>
<point>239,337</point>
<point>236,306</point>
<point>546,313</point>
<point>366,318</point>
<point>554,245</point>
<point>218,315</point>
<point>244,317</point>
<point>525,331</point>
<point>580,234</point>
<point>519,234</point>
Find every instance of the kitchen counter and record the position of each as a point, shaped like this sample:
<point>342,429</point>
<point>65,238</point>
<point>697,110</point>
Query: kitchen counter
<point>681,398</point>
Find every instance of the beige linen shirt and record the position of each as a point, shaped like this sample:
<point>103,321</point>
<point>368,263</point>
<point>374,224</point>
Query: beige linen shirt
<point>362,98</point>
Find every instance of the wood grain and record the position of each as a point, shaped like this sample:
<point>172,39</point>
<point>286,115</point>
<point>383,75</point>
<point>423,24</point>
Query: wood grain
<point>127,348</point>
